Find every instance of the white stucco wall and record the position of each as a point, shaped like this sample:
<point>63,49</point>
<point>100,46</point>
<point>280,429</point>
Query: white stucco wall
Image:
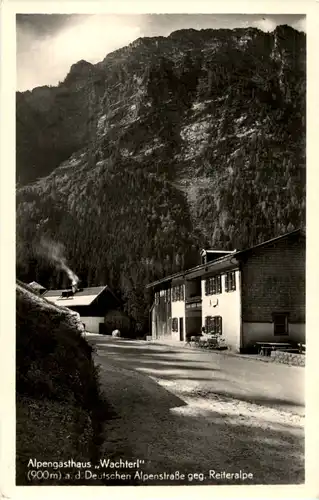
<point>178,311</point>
<point>264,332</point>
<point>153,332</point>
<point>92,323</point>
<point>228,306</point>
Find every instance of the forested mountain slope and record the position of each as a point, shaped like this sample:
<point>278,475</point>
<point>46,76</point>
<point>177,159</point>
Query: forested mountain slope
<point>167,145</point>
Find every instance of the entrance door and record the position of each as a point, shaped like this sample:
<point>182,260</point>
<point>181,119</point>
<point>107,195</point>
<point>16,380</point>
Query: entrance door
<point>181,329</point>
<point>102,329</point>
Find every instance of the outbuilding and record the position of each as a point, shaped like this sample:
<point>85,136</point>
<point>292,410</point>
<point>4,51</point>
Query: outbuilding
<point>93,304</point>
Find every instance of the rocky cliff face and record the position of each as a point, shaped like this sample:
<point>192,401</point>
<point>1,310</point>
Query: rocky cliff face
<point>192,140</point>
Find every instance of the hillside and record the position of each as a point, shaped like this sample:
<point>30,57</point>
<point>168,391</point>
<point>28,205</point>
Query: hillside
<point>166,146</point>
<point>59,408</point>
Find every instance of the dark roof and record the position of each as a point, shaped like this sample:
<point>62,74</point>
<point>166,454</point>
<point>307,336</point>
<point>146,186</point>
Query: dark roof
<point>227,259</point>
<point>273,240</point>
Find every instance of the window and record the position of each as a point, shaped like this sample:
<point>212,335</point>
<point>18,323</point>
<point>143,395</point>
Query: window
<point>218,325</point>
<point>156,298</point>
<point>213,285</point>
<point>177,293</point>
<point>280,323</point>
<point>208,324</point>
<point>168,295</point>
<point>213,325</point>
<point>230,281</point>
<point>175,324</point>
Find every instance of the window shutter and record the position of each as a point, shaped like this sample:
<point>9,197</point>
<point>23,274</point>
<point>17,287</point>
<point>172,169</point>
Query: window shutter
<point>226,282</point>
<point>174,324</point>
<point>233,281</point>
<point>280,323</point>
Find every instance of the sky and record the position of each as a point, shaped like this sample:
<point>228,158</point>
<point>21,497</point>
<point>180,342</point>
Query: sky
<point>48,44</point>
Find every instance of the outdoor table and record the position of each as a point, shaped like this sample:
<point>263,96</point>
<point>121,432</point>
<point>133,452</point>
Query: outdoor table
<point>265,348</point>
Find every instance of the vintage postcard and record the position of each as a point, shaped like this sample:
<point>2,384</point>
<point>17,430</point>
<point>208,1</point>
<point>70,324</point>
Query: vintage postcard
<point>157,160</point>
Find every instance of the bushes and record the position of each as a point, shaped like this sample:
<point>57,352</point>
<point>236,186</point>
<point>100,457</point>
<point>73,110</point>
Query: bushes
<point>53,359</point>
<point>116,320</point>
<point>57,385</point>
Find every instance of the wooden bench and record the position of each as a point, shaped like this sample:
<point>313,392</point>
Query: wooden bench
<point>265,348</point>
<point>207,341</point>
<point>202,340</point>
<point>212,341</point>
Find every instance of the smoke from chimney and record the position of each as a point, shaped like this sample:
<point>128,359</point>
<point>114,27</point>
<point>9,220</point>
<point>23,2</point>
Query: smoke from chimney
<point>54,253</point>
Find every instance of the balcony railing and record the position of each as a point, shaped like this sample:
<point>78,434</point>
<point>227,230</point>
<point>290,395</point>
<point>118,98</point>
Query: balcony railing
<point>193,298</point>
<point>194,302</point>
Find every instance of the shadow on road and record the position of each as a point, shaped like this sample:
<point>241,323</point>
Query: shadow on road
<point>170,434</point>
<point>164,364</point>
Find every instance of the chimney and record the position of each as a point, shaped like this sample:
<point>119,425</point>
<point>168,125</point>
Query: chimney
<point>210,255</point>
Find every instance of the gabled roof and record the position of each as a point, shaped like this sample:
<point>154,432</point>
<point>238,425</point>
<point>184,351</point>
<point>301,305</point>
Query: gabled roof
<point>224,261</point>
<point>36,286</point>
<point>204,251</point>
<point>84,297</point>
<point>40,299</point>
<point>273,240</point>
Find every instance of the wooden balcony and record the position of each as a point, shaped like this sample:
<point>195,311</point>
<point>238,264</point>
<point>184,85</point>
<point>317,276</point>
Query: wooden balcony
<point>194,302</point>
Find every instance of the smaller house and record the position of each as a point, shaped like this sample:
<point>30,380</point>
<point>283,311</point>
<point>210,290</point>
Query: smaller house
<point>92,304</point>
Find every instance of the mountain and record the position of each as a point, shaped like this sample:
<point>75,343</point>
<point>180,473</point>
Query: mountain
<point>167,145</point>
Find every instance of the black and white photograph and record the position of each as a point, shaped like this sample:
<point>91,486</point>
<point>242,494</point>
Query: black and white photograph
<point>160,251</point>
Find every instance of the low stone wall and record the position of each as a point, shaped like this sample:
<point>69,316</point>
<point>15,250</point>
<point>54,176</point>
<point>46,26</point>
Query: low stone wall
<point>289,358</point>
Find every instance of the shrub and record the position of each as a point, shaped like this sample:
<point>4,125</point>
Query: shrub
<point>53,360</point>
<point>116,320</point>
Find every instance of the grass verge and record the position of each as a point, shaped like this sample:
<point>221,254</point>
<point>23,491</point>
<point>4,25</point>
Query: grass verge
<point>59,406</point>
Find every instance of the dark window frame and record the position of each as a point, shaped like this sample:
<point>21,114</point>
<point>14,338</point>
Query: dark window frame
<point>167,295</point>
<point>213,285</point>
<point>214,325</point>
<point>281,323</point>
<point>178,293</point>
<point>174,324</point>
<point>230,281</point>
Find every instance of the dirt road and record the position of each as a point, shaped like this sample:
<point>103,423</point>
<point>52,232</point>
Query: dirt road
<point>197,417</point>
